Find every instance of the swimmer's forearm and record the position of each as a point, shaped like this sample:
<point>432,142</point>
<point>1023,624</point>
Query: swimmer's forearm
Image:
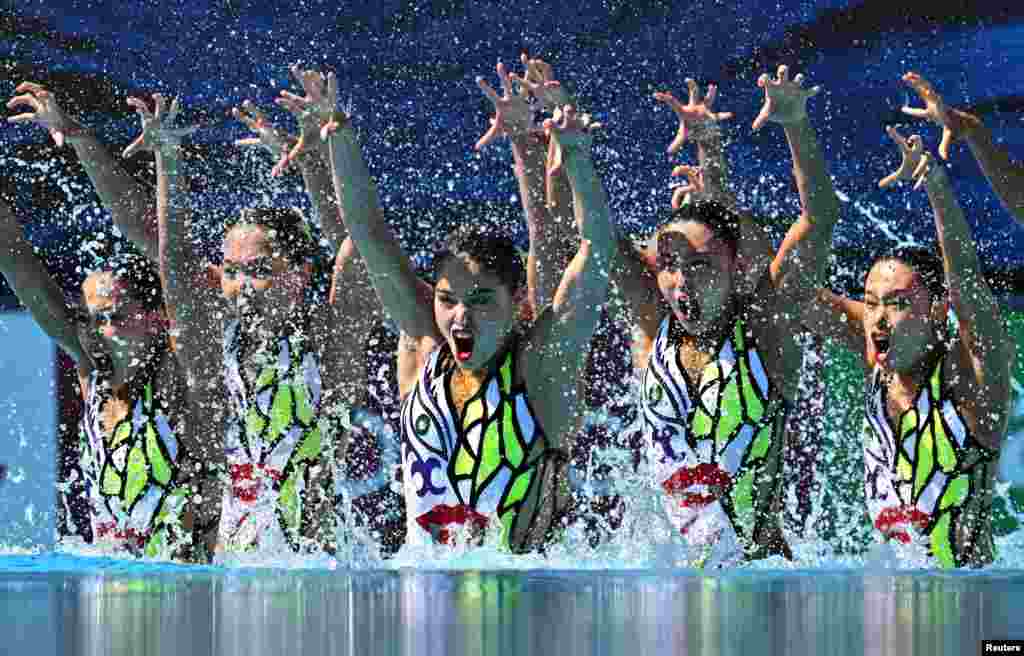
<point>529,171</point>
<point>1005,175</point>
<point>817,195</point>
<point>179,264</point>
<point>549,244</point>
<point>590,204</point>
<point>354,188</point>
<point>981,328</point>
<point>959,254</point>
<point>715,168</point>
<point>389,267</point>
<point>360,210</point>
<point>129,203</point>
<point>316,174</point>
<point>34,287</point>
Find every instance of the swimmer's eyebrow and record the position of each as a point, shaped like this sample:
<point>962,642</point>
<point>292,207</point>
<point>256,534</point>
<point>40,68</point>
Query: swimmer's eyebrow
<point>101,306</point>
<point>258,261</point>
<point>898,293</point>
<point>480,292</point>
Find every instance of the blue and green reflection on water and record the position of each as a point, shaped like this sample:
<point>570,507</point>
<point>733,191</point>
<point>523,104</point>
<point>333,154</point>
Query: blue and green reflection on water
<point>88,606</point>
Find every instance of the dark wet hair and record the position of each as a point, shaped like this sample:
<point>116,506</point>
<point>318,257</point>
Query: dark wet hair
<point>286,227</point>
<point>139,276</point>
<point>494,250</point>
<point>925,263</point>
<point>723,223</point>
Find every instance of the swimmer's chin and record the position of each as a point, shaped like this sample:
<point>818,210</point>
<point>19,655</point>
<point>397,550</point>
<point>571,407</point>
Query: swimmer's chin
<point>688,322</point>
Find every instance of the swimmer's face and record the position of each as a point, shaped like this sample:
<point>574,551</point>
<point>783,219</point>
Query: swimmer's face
<point>119,320</point>
<point>474,311</point>
<point>899,327</point>
<point>256,280</point>
<point>695,274</point>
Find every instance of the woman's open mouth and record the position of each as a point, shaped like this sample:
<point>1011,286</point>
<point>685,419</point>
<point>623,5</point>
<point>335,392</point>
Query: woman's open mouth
<point>687,308</point>
<point>464,341</point>
<point>881,343</point>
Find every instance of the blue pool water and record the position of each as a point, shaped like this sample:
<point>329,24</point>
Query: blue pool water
<point>58,604</point>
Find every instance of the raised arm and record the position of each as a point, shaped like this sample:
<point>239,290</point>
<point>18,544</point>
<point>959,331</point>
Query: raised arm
<point>130,203</point>
<point>555,232</point>
<point>550,228</point>
<point>36,289</point>
<point>633,278</point>
<point>986,347</point>
<point>558,343</point>
<point>837,317</point>
<point>798,270</point>
<point>187,294</point>
<point>308,151</point>
<point>353,312</point>
<point>400,292</point>
<point>699,123</point>
<point>1005,175</point>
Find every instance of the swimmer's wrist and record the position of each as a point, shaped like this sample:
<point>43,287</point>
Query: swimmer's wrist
<point>706,133</point>
<point>74,131</point>
<point>169,158</point>
<point>936,179</point>
<point>963,124</point>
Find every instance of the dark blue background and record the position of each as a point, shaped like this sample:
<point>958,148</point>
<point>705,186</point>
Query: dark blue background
<point>407,70</point>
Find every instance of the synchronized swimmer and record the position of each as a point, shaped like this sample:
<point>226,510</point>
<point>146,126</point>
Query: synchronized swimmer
<point>219,398</point>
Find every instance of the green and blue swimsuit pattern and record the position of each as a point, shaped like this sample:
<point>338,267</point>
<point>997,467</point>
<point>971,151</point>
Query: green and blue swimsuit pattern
<point>132,471</point>
<point>273,445</point>
<point>715,445</point>
<point>927,471</point>
<point>460,470</point>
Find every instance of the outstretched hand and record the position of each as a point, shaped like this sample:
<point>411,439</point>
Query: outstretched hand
<point>45,111</point>
<point>274,139</point>
<point>696,116</point>
<point>540,81</point>
<point>911,150</point>
<point>917,164</point>
<point>785,100</point>
<point>315,111</point>
<point>157,131</point>
<point>512,113</point>
<point>566,131</point>
<point>955,124</point>
<point>693,187</point>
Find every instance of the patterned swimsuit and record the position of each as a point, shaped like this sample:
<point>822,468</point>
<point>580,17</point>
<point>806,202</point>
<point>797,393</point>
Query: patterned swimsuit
<point>274,439</point>
<point>132,471</point>
<point>715,445</point>
<point>458,470</point>
<point>928,471</point>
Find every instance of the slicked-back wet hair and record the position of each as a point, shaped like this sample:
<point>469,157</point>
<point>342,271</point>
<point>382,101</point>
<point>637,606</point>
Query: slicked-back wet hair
<point>492,249</point>
<point>925,263</point>
<point>139,276</point>
<point>723,223</point>
<point>286,228</point>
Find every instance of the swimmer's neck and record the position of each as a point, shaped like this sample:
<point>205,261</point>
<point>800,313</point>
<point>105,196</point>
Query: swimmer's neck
<point>268,323</point>
<point>713,334</point>
<point>128,364</point>
<point>916,376</point>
